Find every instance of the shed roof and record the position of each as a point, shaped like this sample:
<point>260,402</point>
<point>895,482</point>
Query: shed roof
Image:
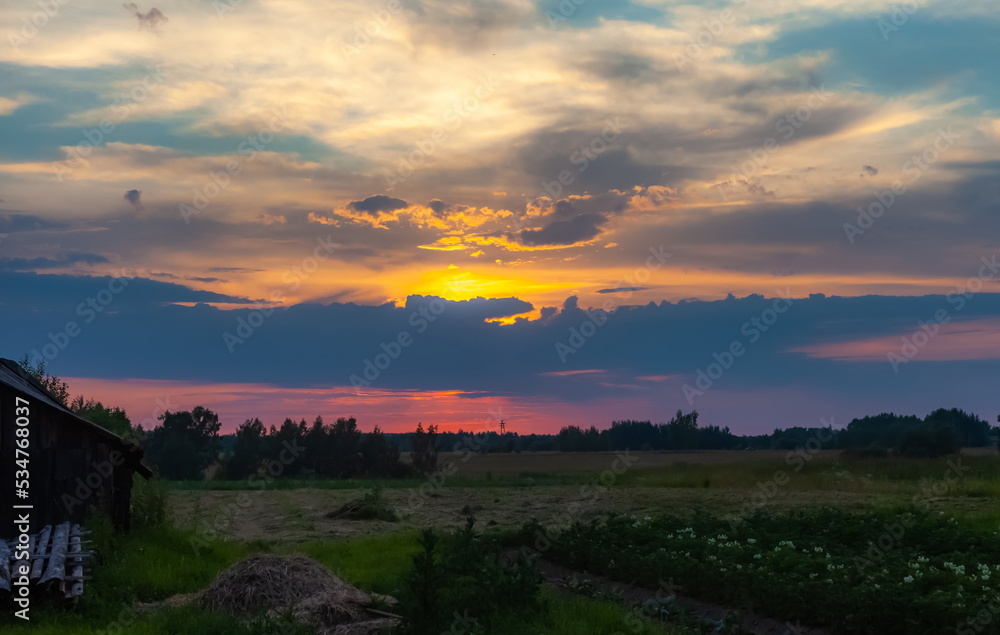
<point>17,378</point>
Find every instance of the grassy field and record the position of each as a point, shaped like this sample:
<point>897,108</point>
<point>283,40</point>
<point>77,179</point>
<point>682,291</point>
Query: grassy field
<point>216,523</point>
<point>509,489</point>
<point>149,566</point>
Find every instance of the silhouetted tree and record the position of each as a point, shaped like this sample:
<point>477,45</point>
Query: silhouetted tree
<point>56,387</point>
<point>425,450</point>
<point>379,457</point>
<point>185,443</point>
<point>971,431</point>
<point>682,431</point>
<point>113,419</point>
<point>342,457</point>
<point>248,450</point>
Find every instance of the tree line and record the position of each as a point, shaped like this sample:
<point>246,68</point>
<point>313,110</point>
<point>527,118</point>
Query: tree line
<point>187,445</point>
<point>942,432</point>
<point>682,432</point>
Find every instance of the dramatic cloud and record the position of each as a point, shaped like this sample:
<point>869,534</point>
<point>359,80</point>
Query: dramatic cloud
<point>456,346</point>
<point>148,20</point>
<point>55,293</point>
<point>351,177</point>
<point>580,228</point>
<point>134,197</point>
<point>29,264</point>
<point>378,203</point>
<point>24,222</point>
<point>622,290</point>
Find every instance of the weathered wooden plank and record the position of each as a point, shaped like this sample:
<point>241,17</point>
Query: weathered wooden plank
<point>75,587</point>
<point>57,558</point>
<point>41,551</point>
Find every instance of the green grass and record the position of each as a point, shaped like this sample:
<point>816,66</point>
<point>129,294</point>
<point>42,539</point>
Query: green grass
<point>891,476</point>
<point>572,615</point>
<point>152,564</point>
<point>147,565</point>
<point>189,621</point>
<point>156,563</point>
<point>373,563</point>
<point>518,479</point>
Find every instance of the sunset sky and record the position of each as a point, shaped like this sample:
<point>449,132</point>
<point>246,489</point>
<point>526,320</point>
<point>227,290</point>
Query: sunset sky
<point>551,212</point>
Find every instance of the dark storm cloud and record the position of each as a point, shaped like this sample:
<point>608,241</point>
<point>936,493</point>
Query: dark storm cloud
<point>378,203</point>
<point>42,293</point>
<point>622,289</point>
<point>476,308</point>
<point>571,221</point>
<point>13,222</point>
<point>455,348</point>
<point>957,223</point>
<point>438,206</point>
<point>29,264</point>
<point>135,198</point>
<point>580,228</point>
<point>233,270</point>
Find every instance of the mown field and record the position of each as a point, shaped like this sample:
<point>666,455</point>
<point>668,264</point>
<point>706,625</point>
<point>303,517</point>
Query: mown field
<point>847,545</point>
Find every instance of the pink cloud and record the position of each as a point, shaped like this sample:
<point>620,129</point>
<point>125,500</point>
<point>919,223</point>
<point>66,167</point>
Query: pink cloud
<point>967,340</point>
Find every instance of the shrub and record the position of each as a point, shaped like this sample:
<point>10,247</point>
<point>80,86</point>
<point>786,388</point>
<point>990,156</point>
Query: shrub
<point>371,506</point>
<point>149,502</point>
<point>464,578</point>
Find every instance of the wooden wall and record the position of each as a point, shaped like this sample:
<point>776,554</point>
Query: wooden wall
<point>65,484</point>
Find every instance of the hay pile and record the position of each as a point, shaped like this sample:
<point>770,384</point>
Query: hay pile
<point>295,584</point>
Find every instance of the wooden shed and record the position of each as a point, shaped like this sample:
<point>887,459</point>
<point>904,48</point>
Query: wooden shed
<point>73,466</point>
